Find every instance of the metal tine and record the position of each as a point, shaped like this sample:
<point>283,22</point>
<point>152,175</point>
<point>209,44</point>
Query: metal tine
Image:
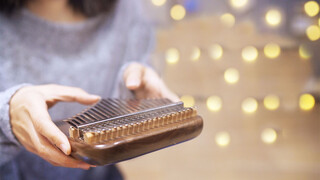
<point>79,119</point>
<point>84,118</point>
<point>110,110</point>
<point>98,112</point>
<point>129,107</point>
<point>103,111</point>
<point>116,107</point>
<point>133,104</point>
<point>88,114</point>
<point>111,107</point>
<point>106,109</point>
<point>97,116</point>
<point>120,105</point>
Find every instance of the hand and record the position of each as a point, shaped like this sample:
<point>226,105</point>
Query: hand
<point>145,83</point>
<point>33,127</point>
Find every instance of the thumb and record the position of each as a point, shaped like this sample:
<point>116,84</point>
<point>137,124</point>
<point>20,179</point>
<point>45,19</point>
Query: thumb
<point>133,76</point>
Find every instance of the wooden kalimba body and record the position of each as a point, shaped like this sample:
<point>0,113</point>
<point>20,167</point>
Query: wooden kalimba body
<point>114,130</point>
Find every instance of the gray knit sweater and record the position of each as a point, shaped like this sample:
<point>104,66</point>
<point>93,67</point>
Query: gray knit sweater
<point>90,55</point>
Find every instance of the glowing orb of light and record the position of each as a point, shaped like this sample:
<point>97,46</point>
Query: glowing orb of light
<point>249,105</point>
<point>238,4</point>
<point>195,54</point>
<point>231,76</point>
<point>228,19</point>
<point>222,139</point>
<point>215,51</point>
<point>172,56</point>
<point>306,102</point>
<point>313,32</point>
<point>214,103</point>
<point>271,102</point>
<point>177,12</point>
<point>272,50</point>
<point>249,53</point>
<point>269,135</point>
<point>304,52</point>
<point>311,8</point>
<point>187,100</point>
<point>158,2</point>
<point>273,17</point>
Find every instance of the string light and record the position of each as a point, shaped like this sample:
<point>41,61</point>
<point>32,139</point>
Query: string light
<point>238,4</point>
<point>195,54</point>
<point>249,105</point>
<point>249,53</point>
<point>215,51</point>
<point>313,32</point>
<point>228,19</point>
<point>158,2</point>
<point>231,76</point>
<point>272,50</point>
<point>271,102</point>
<point>306,102</point>
<point>311,8</point>
<point>172,56</point>
<point>187,100</point>
<point>214,103</point>
<point>269,135</point>
<point>273,17</point>
<point>304,52</point>
<point>222,139</point>
<point>177,12</point>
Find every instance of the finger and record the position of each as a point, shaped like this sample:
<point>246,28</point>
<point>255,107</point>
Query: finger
<point>71,94</point>
<point>44,125</point>
<point>133,76</point>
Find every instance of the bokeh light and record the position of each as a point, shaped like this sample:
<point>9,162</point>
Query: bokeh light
<point>271,102</point>
<point>249,53</point>
<point>231,75</point>
<point>306,102</point>
<point>311,8</point>
<point>228,19</point>
<point>272,50</point>
<point>215,51</point>
<point>172,56</point>
<point>249,105</point>
<point>214,103</point>
<point>269,135</point>
<point>187,100</point>
<point>222,139</point>
<point>313,32</point>
<point>158,2</point>
<point>195,54</point>
<point>238,4</point>
<point>304,52</point>
<point>177,12</point>
<point>273,17</point>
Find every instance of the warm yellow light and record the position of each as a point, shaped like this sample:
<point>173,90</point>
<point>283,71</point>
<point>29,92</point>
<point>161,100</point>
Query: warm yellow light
<point>304,52</point>
<point>158,2</point>
<point>311,8</point>
<point>273,17</point>
<point>195,54</point>
<point>231,76</point>
<point>271,102</point>
<point>177,12</point>
<point>214,103</point>
<point>228,19</point>
<point>272,50</point>
<point>306,102</point>
<point>187,100</point>
<point>249,53</point>
<point>269,136</point>
<point>215,51</point>
<point>238,4</point>
<point>249,105</point>
<point>172,56</point>
<point>313,32</point>
<point>222,139</point>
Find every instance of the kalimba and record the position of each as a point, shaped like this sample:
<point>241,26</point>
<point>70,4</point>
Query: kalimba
<point>115,130</point>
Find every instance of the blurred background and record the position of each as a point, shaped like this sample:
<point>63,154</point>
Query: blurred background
<point>252,69</point>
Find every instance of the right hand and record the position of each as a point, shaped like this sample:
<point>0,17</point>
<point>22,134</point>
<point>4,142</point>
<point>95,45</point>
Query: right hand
<point>33,127</point>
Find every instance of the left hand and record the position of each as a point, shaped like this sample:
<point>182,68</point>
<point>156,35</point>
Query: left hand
<point>145,83</point>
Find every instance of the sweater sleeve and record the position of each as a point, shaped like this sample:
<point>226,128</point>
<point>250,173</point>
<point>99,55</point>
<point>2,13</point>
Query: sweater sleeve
<point>9,146</point>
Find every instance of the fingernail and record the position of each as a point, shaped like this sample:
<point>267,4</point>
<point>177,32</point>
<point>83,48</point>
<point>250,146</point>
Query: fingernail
<point>133,83</point>
<point>84,166</point>
<point>95,97</point>
<point>64,148</point>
